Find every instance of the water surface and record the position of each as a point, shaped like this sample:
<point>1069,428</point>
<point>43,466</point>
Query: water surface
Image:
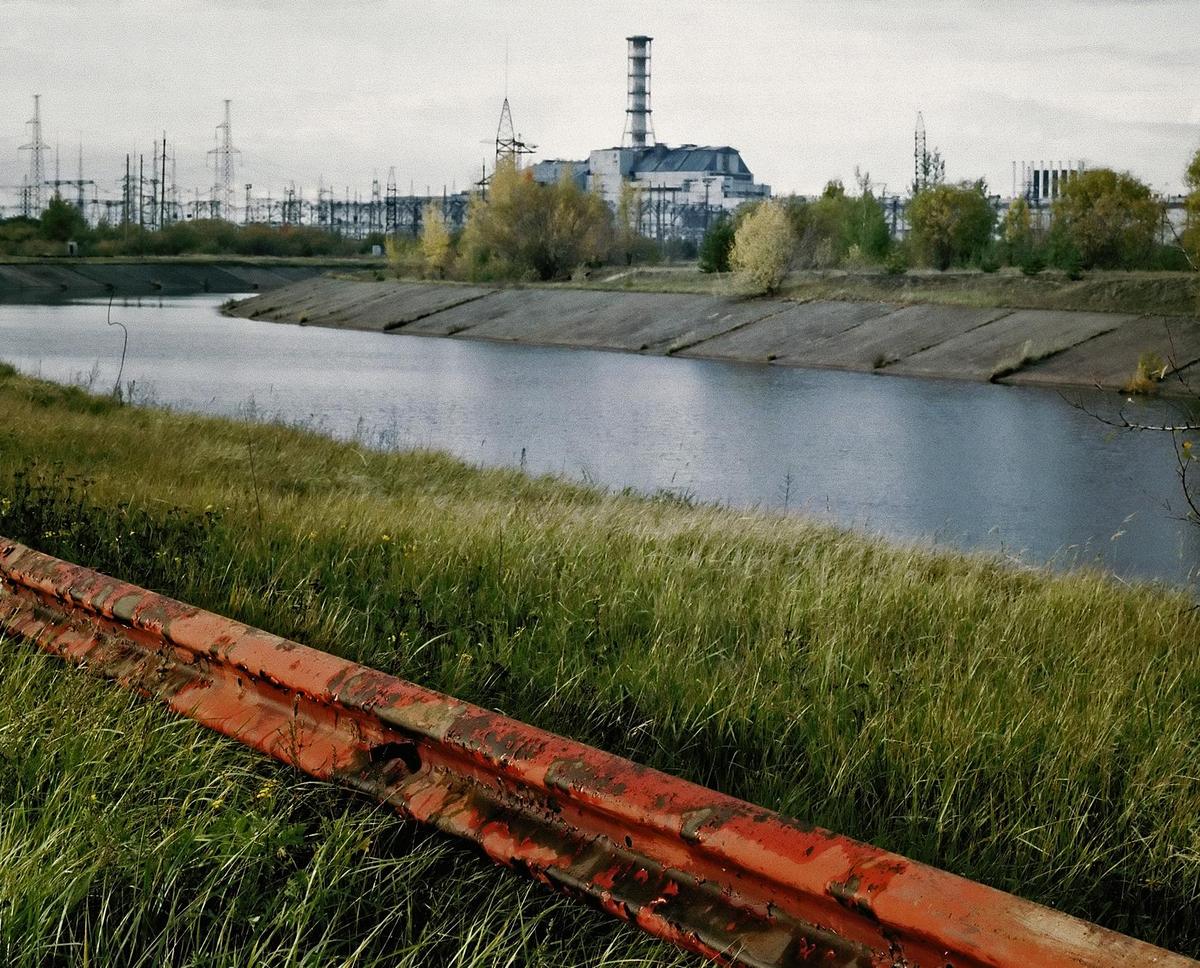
<point>1018,470</point>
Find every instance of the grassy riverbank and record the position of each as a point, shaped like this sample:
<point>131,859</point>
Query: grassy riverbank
<point>1036,732</point>
<point>1149,293</point>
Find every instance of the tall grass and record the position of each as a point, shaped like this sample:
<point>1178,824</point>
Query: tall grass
<point>132,838</point>
<point>1040,733</point>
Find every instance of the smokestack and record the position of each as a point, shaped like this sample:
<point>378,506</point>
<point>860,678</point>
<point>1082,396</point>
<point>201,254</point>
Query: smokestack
<point>637,112</point>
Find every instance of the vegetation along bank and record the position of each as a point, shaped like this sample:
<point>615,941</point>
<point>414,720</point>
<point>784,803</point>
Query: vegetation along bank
<point>82,278</point>
<point>1034,731</point>
<point>1117,350</point>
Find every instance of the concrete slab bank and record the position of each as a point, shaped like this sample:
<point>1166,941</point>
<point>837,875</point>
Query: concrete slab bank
<point>1014,346</point>
<point>38,280</point>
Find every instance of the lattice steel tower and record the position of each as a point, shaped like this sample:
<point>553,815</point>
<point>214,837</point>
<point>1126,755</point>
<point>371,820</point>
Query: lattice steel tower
<point>929,169</point>
<point>223,169</point>
<point>920,153</point>
<point>638,126</point>
<point>33,197</point>
<point>509,144</point>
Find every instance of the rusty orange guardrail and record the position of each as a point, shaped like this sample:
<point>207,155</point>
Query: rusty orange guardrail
<point>719,876</point>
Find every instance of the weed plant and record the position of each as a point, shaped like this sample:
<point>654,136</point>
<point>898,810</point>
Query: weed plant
<point>1037,732</point>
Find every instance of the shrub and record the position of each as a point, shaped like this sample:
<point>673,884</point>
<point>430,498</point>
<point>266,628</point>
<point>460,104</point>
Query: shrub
<point>828,230</point>
<point>951,224</point>
<point>1072,265</point>
<point>1017,232</point>
<point>1150,372</point>
<point>763,247</point>
<point>1109,219</point>
<point>437,250</point>
<point>1033,264</point>
<point>717,245</point>
<point>523,230</point>
<point>896,264</point>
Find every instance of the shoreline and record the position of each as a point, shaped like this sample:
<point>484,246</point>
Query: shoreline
<point>1018,347</point>
<point>73,278</point>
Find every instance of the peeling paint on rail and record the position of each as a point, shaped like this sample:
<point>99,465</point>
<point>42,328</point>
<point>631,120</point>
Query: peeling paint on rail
<point>718,876</point>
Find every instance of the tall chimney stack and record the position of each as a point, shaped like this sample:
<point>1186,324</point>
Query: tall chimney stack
<point>637,112</point>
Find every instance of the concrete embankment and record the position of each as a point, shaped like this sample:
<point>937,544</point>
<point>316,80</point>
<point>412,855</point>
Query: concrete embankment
<point>67,278</point>
<point>1013,346</point>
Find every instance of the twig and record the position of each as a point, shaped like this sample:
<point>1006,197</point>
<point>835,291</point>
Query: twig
<point>1182,248</point>
<point>124,345</point>
<point>1122,422</point>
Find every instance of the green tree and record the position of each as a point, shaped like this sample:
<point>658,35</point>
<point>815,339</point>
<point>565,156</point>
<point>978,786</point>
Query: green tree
<point>824,240</point>
<point>763,248</point>
<point>717,245</point>
<point>866,222</point>
<point>1017,232</point>
<point>437,249</point>
<point>837,225</point>
<point>951,224</point>
<point>1108,219</point>
<point>61,221</point>
<point>18,236</point>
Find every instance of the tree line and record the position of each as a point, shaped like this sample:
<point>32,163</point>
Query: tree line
<point>62,222</point>
<point>1102,219</point>
<point>519,229</point>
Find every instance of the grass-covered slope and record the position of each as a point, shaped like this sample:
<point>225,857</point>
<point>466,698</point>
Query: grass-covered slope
<point>1153,293</point>
<point>1039,733</point>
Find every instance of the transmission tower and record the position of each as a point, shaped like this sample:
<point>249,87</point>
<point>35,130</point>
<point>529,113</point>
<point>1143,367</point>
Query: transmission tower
<point>80,182</point>
<point>37,149</point>
<point>928,167</point>
<point>509,145</point>
<point>391,203</point>
<point>375,216</point>
<point>222,193</point>
<point>58,182</point>
<point>920,152</point>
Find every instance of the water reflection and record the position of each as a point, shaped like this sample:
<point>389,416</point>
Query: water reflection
<point>1019,470</point>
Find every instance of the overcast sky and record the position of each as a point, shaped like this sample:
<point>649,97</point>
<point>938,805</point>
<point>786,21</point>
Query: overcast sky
<point>807,90</point>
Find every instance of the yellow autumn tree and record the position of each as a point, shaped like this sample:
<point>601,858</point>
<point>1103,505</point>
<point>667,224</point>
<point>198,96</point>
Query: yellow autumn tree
<point>437,249</point>
<point>521,229</point>
<point>763,248</point>
<point>1017,231</point>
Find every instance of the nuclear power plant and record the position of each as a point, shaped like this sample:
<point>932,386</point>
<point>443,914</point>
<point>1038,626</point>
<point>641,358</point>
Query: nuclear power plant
<point>679,189</point>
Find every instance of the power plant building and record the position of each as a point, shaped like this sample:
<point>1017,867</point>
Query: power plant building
<point>680,189</point>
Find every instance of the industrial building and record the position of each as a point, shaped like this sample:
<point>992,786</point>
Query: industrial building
<point>1041,183</point>
<point>680,189</point>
